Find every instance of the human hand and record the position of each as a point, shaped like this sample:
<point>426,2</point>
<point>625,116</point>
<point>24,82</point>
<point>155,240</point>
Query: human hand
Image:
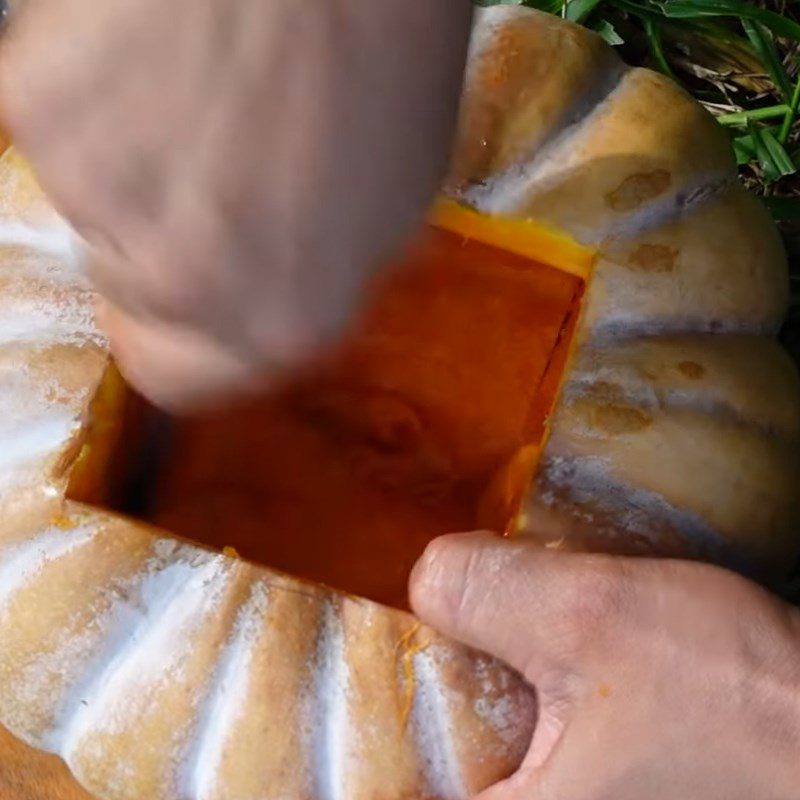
<point>238,168</point>
<point>657,680</point>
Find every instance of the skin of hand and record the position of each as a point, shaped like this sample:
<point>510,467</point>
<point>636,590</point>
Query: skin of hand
<point>238,168</point>
<point>661,680</point>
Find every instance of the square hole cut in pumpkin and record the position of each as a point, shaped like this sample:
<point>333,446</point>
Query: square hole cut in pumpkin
<point>426,418</point>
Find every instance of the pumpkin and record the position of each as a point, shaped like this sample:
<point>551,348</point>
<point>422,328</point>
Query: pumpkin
<point>579,348</point>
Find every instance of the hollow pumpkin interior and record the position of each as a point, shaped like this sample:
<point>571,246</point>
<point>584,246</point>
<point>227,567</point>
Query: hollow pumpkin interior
<point>426,418</point>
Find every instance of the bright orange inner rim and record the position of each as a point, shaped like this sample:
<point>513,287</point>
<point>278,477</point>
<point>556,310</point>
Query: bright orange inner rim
<point>427,418</point>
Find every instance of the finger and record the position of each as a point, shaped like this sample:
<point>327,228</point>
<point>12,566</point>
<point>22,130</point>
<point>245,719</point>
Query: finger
<point>176,367</point>
<point>538,610</point>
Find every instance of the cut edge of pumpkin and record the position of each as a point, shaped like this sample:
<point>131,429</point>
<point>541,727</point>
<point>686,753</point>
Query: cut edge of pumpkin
<point>98,462</point>
<point>534,240</point>
<point>500,508</point>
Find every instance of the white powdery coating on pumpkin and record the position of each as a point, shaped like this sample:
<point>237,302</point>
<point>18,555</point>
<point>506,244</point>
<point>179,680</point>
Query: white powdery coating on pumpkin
<point>23,563</point>
<point>52,676</point>
<point>43,678</point>
<point>500,713</point>
<point>35,423</point>
<point>142,653</point>
<point>42,303</point>
<point>42,317</point>
<point>331,731</point>
<point>82,662</point>
<point>434,733</point>
<point>590,483</point>
<point>226,700</point>
<point>54,238</point>
<point>29,443</point>
<point>20,262</point>
<point>501,704</point>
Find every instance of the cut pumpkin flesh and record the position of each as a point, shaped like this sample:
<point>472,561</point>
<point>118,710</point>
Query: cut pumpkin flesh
<point>427,418</point>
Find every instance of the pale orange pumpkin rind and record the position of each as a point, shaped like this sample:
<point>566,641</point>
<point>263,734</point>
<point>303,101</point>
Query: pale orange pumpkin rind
<point>158,669</point>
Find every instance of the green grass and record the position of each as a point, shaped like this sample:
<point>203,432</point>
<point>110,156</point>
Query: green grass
<point>741,60</point>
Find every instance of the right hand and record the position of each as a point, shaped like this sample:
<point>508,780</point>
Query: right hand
<point>655,679</point>
<point>238,167</point>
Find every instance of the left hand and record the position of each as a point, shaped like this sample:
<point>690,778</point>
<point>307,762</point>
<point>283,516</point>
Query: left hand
<point>657,680</point>
<point>240,169</point>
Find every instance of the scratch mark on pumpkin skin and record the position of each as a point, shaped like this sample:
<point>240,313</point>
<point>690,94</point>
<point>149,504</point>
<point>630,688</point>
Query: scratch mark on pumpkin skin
<point>407,649</point>
<point>637,189</point>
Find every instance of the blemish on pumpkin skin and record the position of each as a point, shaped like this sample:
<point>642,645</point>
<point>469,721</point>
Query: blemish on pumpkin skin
<point>63,522</point>
<point>495,68</point>
<point>692,370</point>
<point>638,189</point>
<point>615,419</point>
<point>654,258</point>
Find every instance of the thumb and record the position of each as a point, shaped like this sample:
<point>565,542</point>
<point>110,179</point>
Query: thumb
<point>540,611</point>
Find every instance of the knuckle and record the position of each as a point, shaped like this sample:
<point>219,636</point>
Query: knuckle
<point>470,589</point>
<point>169,278</point>
<point>174,294</point>
<point>142,287</point>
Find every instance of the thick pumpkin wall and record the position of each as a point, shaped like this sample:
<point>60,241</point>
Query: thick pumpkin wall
<point>158,669</point>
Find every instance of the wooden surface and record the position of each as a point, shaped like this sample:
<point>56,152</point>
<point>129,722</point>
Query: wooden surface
<point>27,774</point>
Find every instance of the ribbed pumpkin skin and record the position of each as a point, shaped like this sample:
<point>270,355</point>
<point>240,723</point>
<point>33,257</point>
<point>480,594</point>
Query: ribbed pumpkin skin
<point>162,670</point>
<point>678,426</point>
<point>158,669</point>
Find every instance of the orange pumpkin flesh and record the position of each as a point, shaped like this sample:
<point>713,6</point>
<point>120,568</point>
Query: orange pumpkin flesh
<point>427,418</point>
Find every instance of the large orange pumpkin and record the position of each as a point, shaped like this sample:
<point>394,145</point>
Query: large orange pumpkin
<point>579,347</point>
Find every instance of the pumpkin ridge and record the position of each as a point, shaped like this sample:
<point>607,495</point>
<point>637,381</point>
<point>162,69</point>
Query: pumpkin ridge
<point>489,68</point>
<point>157,669</point>
<point>25,561</point>
<point>66,736</point>
<point>646,514</point>
<point>224,701</point>
<point>559,138</point>
<point>331,725</point>
<point>572,140</point>
<point>433,727</point>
